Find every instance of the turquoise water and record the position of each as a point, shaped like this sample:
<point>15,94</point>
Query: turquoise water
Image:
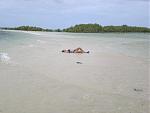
<point>10,39</point>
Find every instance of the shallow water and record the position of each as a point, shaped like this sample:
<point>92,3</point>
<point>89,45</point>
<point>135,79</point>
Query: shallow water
<point>35,77</point>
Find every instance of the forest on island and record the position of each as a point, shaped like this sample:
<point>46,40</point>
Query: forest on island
<point>85,28</point>
<point>96,28</point>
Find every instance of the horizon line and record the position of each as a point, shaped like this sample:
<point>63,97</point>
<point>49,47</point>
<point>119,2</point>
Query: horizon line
<point>73,26</point>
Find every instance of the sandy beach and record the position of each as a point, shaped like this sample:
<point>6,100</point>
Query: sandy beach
<point>39,78</point>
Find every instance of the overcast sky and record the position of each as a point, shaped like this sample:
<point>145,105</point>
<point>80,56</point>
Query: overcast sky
<point>64,13</point>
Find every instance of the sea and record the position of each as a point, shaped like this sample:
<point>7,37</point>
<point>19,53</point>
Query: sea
<point>36,77</point>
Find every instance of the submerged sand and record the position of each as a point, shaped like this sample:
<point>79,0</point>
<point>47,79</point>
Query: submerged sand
<point>41,79</point>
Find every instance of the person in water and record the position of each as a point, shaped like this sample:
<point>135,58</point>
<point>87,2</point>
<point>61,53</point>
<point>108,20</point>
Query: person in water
<point>77,50</point>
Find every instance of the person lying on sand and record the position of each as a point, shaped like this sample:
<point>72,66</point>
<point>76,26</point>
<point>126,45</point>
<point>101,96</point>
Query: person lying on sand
<point>77,50</point>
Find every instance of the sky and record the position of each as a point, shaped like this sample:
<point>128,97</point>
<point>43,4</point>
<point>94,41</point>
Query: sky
<point>66,13</point>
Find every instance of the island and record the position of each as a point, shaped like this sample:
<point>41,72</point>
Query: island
<point>85,28</point>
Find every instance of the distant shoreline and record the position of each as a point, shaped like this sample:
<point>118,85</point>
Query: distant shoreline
<point>37,32</point>
<point>86,28</point>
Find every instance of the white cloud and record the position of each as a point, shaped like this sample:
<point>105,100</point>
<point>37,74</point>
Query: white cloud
<point>105,11</point>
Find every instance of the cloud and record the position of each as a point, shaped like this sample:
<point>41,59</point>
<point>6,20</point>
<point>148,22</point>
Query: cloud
<point>67,12</point>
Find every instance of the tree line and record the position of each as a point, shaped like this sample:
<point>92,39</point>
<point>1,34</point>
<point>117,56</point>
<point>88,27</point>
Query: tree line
<point>85,28</point>
<point>31,28</point>
<point>96,28</point>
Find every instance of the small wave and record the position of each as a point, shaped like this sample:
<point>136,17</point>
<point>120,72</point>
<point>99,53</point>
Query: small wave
<point>4,57</point>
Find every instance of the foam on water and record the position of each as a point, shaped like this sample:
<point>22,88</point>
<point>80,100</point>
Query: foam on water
<point>4,57</point>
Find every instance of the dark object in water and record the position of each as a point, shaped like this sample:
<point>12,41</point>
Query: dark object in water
<point>88,52</point>
<point>138,90</point>
<point>79,62</point>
